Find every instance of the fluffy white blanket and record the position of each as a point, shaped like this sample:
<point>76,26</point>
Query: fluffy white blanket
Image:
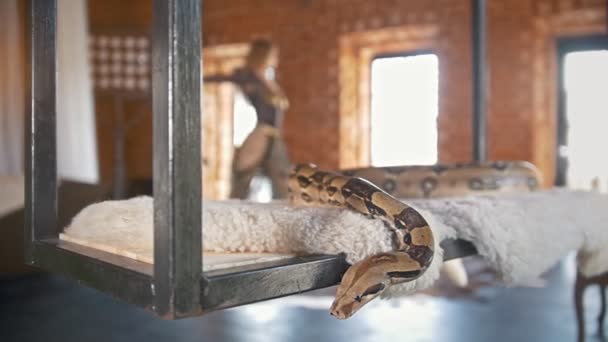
<point>520,235</point>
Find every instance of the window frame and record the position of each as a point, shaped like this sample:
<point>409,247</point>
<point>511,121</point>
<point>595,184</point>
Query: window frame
<point>405,54</point>
<point>566,45</point>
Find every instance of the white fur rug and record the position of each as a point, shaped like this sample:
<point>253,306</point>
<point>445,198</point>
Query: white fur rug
<point>520,235</point>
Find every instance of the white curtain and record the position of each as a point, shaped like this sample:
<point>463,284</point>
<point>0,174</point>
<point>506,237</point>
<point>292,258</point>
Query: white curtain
<point>76,134</point>
<point>76,137</point>
<point>12,101</point>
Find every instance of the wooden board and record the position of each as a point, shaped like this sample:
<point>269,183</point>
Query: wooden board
<point>211,260</point>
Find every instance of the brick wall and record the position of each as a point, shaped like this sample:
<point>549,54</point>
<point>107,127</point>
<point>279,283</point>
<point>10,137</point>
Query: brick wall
<point>308,32</point>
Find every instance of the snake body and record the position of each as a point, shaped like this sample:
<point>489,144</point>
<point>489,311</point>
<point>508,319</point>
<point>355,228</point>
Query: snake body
<point>452,180</point>
<point>413,238</point>
<point>413,241</point>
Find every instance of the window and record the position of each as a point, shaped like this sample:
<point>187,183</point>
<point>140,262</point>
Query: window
<point>404,108</point>
<point>244,118</point>
<point>585,82</point>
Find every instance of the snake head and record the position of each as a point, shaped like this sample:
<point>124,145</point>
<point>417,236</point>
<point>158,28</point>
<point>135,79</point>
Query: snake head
<point>368,278</point>
<point>361,283</point>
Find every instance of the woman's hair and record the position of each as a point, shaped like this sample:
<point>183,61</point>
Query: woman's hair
<point>259,50</point>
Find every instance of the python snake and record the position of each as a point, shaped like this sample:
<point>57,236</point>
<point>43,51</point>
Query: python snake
<point>413,239</point>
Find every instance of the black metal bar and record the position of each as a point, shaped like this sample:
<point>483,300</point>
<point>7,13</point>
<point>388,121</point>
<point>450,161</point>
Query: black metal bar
<point>130,280</point>
<point>457,248</point>
<point>249,284</point>
<point>177,168</point>
<point>126,279</point>
<point>41,160</point>
<point>561,160</point>
<point>253,283</point>
<point>480,79</point>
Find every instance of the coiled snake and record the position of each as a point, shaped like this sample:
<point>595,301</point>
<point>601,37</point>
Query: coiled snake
<point>412,237</point>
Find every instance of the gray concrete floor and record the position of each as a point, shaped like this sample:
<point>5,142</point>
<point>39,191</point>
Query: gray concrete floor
<point>49,308</point>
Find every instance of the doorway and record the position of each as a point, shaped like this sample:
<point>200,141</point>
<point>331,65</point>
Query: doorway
<point>583,113</point>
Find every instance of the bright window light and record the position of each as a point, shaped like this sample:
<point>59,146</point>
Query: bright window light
<point>586,81</point>
<point>244,119</point>
<point>404,101</point>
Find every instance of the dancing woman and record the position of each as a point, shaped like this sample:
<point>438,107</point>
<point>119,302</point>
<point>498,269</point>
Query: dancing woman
<point>263,149</point>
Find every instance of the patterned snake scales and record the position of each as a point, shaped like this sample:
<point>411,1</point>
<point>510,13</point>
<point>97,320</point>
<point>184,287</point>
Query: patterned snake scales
<point>373,192</point>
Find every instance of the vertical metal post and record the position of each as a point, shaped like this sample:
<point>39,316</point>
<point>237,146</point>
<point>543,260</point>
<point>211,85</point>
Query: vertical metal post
<point>41,160</point>
<point>177,157</point>
<point>480,79</point>
<point>562,120</point>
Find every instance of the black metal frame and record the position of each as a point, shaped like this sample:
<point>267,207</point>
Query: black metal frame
<point>480,79</point>
<point>176,80</point>
<point>174,286</point>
